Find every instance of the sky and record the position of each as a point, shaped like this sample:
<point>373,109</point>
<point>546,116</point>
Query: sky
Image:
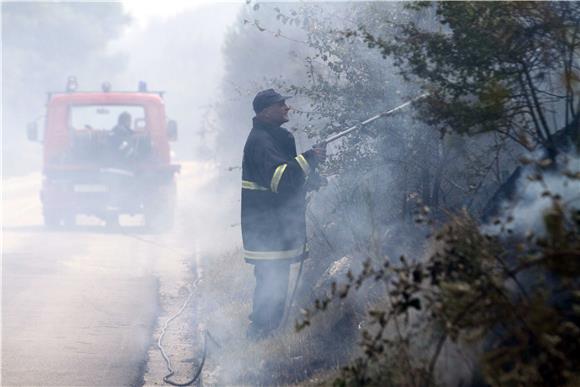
<point>144,11</point>
<point>173,45</point>
<point>176,46</point>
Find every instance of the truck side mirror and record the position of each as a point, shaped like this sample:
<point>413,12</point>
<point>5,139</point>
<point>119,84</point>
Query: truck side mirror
<point>32,131</point>
<point>172,130</point>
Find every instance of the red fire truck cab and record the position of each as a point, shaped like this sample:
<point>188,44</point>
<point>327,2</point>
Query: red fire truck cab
<point>107,153</point>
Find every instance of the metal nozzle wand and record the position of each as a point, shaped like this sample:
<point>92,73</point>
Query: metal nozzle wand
<point>366,122</point>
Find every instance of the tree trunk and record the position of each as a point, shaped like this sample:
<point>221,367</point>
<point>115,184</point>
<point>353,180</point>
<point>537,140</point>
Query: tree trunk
<point>565,140</point>
<point>426,186</point>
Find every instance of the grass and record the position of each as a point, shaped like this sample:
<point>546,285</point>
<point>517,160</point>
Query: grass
<point>286,358</point>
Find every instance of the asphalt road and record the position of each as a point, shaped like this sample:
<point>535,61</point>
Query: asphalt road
<point>82,307</point>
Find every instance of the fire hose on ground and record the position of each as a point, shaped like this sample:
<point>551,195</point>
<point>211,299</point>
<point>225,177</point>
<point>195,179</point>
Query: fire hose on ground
<point>205,332</point>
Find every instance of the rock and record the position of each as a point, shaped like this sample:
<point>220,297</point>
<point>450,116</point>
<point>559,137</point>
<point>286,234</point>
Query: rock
<point>336,272</point>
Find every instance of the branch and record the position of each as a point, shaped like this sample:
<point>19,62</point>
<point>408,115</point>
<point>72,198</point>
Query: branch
<point>488,168</point>
<point>538,105</point>
<point>443,339</point>
<point>570,91</point>
<point>531,107</point>
<point>513,138</point>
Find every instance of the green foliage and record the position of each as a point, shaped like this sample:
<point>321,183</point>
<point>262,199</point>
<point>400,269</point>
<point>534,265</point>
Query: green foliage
<point>504,71</point>
<point>337,82</point>
<point>509,67</point>
<point>42,44</point>
<point>348,83</point>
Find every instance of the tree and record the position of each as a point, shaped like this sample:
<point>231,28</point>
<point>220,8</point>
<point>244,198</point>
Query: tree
<point>505,67</point>
<point>378,180</point>
<point>44,43</point>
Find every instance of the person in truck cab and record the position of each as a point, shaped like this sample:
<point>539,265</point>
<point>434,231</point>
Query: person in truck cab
<point>121,133</point>
<point>129,144</point>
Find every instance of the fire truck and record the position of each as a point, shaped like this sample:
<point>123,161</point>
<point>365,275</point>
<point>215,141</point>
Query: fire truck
<point>107,153</point>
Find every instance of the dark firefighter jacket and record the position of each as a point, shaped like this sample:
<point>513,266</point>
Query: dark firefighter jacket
<point>273,195</point>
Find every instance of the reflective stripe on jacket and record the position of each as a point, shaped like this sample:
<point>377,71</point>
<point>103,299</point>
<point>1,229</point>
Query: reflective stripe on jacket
<point>273,195</point>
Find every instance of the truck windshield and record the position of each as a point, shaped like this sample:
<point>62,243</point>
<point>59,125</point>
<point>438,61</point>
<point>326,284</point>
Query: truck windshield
<point>105,117</point>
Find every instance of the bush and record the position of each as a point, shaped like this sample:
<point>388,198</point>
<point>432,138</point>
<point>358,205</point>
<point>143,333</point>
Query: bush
<point>513,300</point>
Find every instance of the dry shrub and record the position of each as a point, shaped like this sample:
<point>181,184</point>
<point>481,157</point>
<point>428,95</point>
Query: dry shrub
<point>515,297</point>
<point>285,357</point>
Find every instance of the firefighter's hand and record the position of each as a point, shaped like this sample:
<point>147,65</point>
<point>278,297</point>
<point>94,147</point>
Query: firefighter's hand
<point>320,152</point>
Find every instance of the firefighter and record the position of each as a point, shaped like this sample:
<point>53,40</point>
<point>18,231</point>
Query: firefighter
<point>126,143</point>
<point>273,207</point>
<point>121,134</point>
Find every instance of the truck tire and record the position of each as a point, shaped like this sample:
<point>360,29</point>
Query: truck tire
<point>112,221</point>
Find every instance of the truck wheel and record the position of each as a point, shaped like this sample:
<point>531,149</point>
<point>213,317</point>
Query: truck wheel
<point>112,221</point>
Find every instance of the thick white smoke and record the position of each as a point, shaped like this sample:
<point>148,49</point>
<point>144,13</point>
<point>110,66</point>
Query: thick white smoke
<point>536,191</point>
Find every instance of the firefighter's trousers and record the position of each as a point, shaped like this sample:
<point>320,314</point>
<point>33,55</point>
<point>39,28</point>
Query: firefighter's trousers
<point>269,295</point>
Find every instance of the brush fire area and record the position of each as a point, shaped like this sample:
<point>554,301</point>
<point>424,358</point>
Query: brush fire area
<point>298,193</point>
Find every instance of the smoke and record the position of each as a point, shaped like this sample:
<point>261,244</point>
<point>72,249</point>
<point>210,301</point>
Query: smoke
<point>211,60</point>
<point>44,43</point>
<point>262,52</point>
<point>98,42</point>
<point>537,190</point>
<point>377,182</point>
<point>180,54</point>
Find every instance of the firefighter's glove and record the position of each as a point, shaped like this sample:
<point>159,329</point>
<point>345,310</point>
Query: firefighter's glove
<point>319,151</point>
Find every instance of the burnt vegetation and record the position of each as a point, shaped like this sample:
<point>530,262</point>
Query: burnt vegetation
<point>429,233</point>
<point>511,301</point>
